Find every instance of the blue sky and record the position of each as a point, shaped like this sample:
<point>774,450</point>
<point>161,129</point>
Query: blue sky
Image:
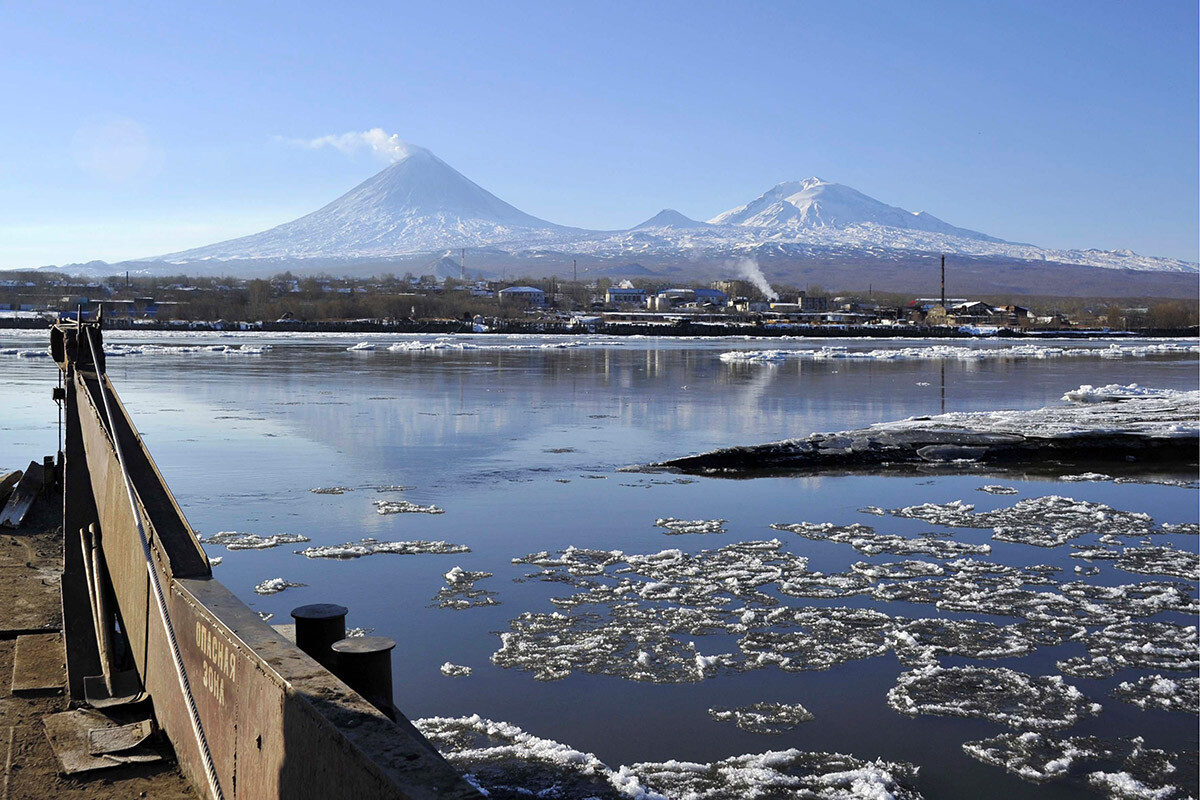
<point>131,130</point>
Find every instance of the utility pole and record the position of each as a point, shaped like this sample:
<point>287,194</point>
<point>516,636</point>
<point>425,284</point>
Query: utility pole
<point>575,270</point>
<point>462,272</point>
<point>943,281</point>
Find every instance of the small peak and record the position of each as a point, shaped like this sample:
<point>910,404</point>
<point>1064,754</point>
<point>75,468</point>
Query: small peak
<point>669,218</point>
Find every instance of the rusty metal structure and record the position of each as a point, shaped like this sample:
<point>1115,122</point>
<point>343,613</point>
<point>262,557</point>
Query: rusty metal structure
<point>250,715</point>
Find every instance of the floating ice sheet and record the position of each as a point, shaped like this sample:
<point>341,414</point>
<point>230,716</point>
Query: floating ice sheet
<point>1136,645</point>
<point>1042,521</point>
<point>680,526</point>
<point>1115,392</point>
<point>764,718</point>
<point>1157,691</point>
<point>1147,774</point>
<point>370,547</point>
<point>455,670</point>
<point>404,507</point>
<point>942,352</point>
<point>461,593</point>
<point>235,540</point>
<point>993,488</point>
<point>331,490</point>
<point>864,539</point>
<point>996,694</point>
<point>506,762</point>
<point>1037,756</point>
<point>275,586</point>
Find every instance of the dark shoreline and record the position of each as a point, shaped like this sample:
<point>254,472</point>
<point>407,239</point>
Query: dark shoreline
<point>689,329</point>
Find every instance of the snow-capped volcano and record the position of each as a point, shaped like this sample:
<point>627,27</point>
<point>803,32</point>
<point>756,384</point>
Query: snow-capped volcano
<point>814,203</point>
<point>669,218</point>
<point>418,204</point>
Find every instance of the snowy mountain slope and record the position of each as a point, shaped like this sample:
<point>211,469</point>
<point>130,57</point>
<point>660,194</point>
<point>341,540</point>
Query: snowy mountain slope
<point>420,206</point>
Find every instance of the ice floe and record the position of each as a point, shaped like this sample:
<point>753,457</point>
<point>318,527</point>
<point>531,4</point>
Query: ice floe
<point>1041,521</point>
<point>455,670</point>
<point>275,586</point>
<point>993,488</point>
<point>506,762</point>
<point>235,540</point>
<point>764,718</point>
<point>1157,691</point>
<point>921,641</point>
<point>1115,392</point>
<point>1037,756</point>
<point>992,693</point>
<point>405,507</point>
<point>1136,645</point>
<point>680,526</point>
<point>1147,774</point>
<point>461,593</point>
<point>331,490</point>
<point>370,547</point>
<point>864,539</point>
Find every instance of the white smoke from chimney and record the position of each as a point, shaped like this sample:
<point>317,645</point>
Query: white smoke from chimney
<point>748,268</point>
<point>388,146</point>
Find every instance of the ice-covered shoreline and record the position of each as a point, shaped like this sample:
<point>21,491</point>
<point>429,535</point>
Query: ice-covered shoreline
<point>1163,425</point>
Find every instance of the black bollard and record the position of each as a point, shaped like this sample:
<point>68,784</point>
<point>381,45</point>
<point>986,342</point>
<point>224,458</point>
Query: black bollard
<point>318,626</point>
<point>365,664</point>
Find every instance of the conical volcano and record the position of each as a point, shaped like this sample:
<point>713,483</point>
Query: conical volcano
<point>417,204</point>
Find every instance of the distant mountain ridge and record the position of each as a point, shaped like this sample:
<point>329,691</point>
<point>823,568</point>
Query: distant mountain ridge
<point>421,206</point>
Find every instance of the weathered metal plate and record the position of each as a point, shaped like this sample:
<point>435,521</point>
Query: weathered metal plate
<point>23,496</point>
<point>7,482</point>
<point>121,737</point>
<point>68,734</point>
<point>39,664</point>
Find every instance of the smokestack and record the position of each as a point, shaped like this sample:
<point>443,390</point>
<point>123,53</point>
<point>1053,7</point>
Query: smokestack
<point>943,281</point>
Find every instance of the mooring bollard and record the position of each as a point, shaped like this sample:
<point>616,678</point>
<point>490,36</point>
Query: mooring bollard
<point>318,626</point>
<point>365,664</point>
